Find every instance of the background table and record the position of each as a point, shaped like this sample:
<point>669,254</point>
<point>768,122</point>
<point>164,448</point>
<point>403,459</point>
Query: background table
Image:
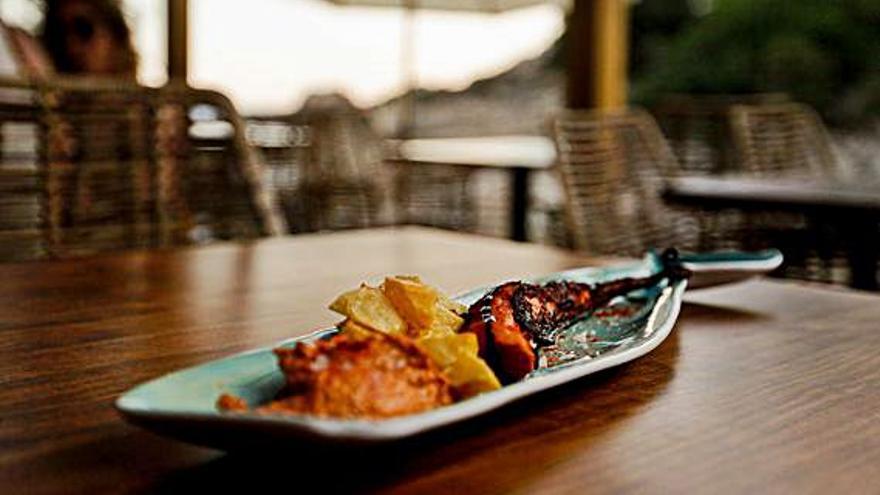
<point>762,387</point>
<point>852,208</point>
<point>520,155</point>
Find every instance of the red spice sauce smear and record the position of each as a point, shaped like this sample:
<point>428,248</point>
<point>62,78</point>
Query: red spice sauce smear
<point>379,376</point>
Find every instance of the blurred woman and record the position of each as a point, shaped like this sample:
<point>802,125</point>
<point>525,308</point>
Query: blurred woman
<point>88,37</point>
<point>90,125</point>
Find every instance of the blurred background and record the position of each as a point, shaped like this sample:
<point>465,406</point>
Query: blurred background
<point>270,57</point>
<point>462,114</point>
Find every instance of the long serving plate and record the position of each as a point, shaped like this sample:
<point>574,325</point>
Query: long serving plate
<point>183,404</point>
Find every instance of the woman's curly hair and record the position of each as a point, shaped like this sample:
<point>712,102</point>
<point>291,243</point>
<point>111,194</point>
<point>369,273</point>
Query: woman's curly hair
<point>108,14</point>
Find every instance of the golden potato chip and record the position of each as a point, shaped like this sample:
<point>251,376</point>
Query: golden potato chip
<point>405,305</point>
<point>470,375</point>
<point>450,305</point>
<point>355,329</point>
<point>457,355</point>
<point>369,307</point>
<point>342,303</point>
<point>444,349</point>
<point>445,322</point>
<point>414,301</point>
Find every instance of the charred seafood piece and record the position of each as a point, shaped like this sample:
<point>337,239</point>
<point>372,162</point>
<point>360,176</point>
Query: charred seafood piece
<point>512,320</point>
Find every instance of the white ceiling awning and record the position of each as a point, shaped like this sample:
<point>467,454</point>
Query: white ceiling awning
<point>488,6</point>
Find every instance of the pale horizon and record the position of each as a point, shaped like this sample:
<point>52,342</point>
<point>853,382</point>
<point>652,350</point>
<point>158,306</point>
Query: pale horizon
<point>270,57</point>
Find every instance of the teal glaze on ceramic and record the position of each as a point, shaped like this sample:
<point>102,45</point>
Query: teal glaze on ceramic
<point>725,267</point>
<point>183,404</point>
<point>732,256</point>
<point>254,376</point>
<point>604,330</point>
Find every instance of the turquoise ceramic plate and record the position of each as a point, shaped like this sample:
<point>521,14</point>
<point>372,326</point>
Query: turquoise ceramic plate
<point>182,404</point>
<point>725,267</point>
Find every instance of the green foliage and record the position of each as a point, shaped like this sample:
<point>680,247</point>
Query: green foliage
<point>824,53</point>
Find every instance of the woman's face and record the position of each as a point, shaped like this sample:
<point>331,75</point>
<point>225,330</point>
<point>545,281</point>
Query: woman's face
<point>91,47</point>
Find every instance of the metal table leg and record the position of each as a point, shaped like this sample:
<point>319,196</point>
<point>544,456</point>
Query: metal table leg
<point>520,206</point>
<point>863,237</point>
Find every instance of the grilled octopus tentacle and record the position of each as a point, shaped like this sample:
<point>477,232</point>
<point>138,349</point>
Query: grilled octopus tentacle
<point>515,318</point>
<point>503,343</point>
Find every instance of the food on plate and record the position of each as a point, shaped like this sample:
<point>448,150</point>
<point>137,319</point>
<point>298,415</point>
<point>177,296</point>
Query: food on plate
<point>502,340</point>
<point>414,301</point>
<point>378,376</point>
<point>398,351</point>
<point>404,347</point>
<point>369,307</point>
<point>375,377</point>
<point>431,319</point>
<point>401,305</point>
<point>457,354</point>
<point>514,319</point>
<point>355,329</point>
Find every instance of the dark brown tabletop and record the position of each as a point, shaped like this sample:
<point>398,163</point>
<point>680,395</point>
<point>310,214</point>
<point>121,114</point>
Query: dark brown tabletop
<point>798,194</point>
<point>763,387</point>
<point>852,208</point>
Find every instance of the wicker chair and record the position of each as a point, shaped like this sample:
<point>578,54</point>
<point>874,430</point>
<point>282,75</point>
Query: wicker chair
<point>699,130</point>
<point>612,167</point>
<point>21,188</point>
<point>790,140</point>
<point>343,172</point>
<point>326,166</point>
<point>435,195</point>
<point>784,138</point>
<point>100,166</point>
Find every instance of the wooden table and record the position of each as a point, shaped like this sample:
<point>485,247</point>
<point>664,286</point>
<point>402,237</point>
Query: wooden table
<point>519,155</point>
<point>852,208</point>
<point>764,387</point>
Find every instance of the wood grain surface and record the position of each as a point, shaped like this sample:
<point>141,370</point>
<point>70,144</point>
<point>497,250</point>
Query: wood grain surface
<point>763,387</point>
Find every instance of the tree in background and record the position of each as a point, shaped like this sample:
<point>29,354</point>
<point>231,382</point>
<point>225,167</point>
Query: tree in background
<point>824,53</point>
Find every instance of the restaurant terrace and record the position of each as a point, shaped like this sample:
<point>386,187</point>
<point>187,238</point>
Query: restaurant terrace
<point>434,246</point>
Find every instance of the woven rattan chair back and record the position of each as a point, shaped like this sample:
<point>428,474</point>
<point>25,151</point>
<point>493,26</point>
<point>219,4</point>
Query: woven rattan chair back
<point>786,138</point>
<point>790,139</point>
<point>108,166</point>
<point>698,129</point>
<point>21,184</point>
<point>435,196</point>
<point>331,175</point>
<point>343,173</point>
<point>612,167</point>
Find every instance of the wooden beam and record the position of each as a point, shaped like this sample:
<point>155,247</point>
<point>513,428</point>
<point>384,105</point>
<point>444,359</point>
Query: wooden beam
<point>597,54</point>
<point>178,40</point>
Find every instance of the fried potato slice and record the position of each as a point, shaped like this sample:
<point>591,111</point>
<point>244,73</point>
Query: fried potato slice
<point>448,304</point>
<point>425,310</point>
<point>405,305</point>
<point>471,376</point>
<point>445,349</point>
<point>442,299</point>
<point>457,356</point>
<point>355,329</point>
<point>369,307</point>
<point>413,300</point>
<point>445,323</point>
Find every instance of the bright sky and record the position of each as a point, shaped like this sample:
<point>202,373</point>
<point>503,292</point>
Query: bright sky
<point>269,55</point>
